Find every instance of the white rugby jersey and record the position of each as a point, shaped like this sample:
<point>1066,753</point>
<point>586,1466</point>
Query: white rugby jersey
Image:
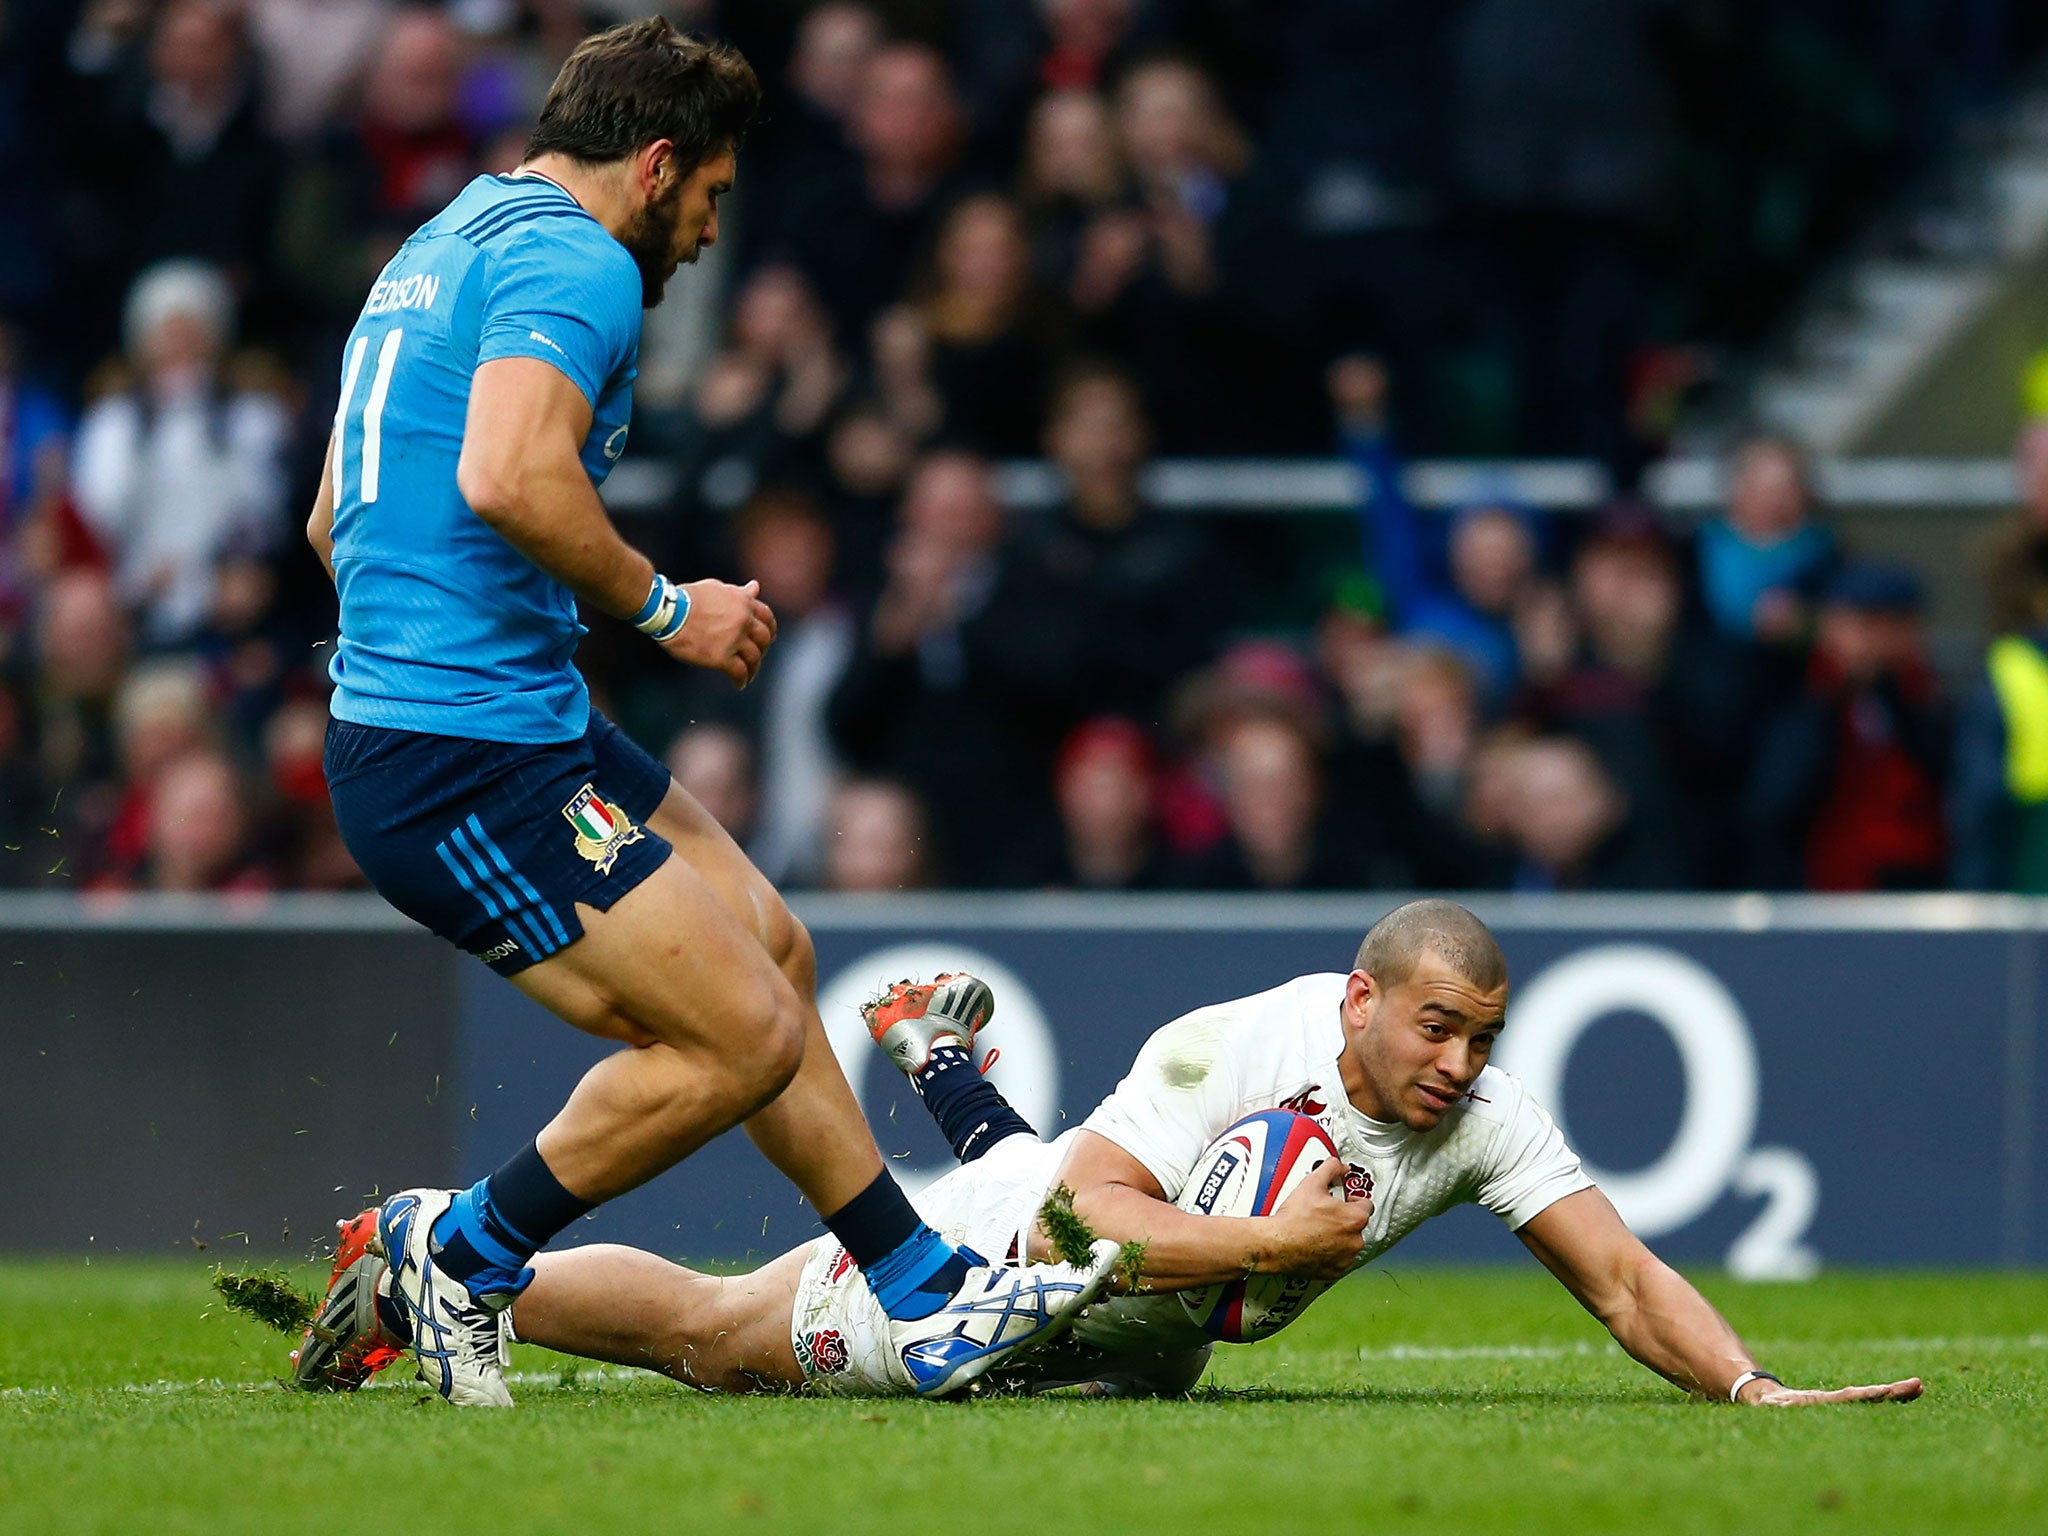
<point>1279,1050</point>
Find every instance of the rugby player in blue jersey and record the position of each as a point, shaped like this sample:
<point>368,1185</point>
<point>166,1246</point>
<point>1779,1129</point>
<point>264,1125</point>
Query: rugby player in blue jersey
<point>485,392</point>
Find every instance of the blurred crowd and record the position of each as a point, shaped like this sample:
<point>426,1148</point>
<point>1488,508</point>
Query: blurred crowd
<point>1096,231</point>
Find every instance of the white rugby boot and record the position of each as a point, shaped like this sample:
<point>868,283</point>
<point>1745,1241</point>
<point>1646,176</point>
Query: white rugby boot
<point>459,1339</point>
<point>998,1311</point>
<point>911,1018</point>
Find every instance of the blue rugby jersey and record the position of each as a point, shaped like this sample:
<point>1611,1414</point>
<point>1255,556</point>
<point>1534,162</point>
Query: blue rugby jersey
<point>445,627</point>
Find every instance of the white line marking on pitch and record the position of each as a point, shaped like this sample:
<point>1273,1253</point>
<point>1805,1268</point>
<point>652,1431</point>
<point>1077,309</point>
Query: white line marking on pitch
<point>606,1375</point>
<point>1987,1344</point>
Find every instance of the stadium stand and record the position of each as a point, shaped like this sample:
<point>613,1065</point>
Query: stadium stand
<point>1008,288</point>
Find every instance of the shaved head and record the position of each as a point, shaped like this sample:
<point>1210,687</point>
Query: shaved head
<point>1442,928</point>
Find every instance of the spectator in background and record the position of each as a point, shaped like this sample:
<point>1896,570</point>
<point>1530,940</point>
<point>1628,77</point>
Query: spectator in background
<point>1763,563</point>
<point>1489,557</point>
<point>1354,162</point>
<point>306,844</point>
<point>1392,737</point>
<point>1571,827</point>
<point>1270,770</point>
<point>1104,785</point>
<point>1845,794</point>
<point>172,157</point>
<point>314,54</point>
<point>1561,124</point>
<point>958,683</point>
<point>868,460</point>
<point>992,344</point>
<point>1998,806</point>
<point>21,793</point>
<point>878,840</point>
<point>161,714</point>
<point>2016,557</point>
<point>857,235</point>
<point>376,179</point>
<point>180,469</point>
<point>1664,703</point>
<point>1437,723</point>
<point>80,654</point>
<point>1256,721</point>
<point>786,544</point>
<point>1072,175</point>
<point>715,763</point>
<point>201,834</point>
<point>766,394</point>
<point>1085,41</point>
<point>805,136</point>
<point>900,371</point>
<point>1149,278</point>
<point>33,439</point>
<point>1131,585</point>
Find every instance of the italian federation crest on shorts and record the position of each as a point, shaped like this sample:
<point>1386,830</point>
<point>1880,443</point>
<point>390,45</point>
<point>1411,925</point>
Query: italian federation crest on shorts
<point>602,829</point>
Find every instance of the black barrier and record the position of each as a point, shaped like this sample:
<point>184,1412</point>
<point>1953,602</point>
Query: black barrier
<point>1764,1084</point>
<point>235,1076</point>
<point>1767,1084</point>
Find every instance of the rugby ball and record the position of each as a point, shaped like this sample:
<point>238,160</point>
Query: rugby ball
<point>1248,1171</point>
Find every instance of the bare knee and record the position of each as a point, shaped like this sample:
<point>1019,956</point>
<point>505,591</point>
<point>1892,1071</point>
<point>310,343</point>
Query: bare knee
<point>795,956</point>
<point>776,1045</point>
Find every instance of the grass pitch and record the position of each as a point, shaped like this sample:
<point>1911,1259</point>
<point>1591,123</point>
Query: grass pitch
<point>1408,1399</point>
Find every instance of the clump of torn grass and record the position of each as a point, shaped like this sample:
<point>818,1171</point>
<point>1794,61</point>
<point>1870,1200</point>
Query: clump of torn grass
<point>1072,1239</point>
<point>266,1295</point>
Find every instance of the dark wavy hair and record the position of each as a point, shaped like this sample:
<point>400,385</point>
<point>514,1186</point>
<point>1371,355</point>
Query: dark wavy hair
<point>624,88</point>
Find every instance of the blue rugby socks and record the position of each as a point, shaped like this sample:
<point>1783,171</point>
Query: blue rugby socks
<point>910,1268</point>
<point>970,1110</point>
<point>486,1237</point>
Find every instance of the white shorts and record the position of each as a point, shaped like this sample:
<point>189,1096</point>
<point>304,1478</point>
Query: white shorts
<point>841,1333</point>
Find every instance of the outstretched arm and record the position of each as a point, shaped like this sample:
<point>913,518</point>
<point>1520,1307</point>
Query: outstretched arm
<point>1656,1315</point>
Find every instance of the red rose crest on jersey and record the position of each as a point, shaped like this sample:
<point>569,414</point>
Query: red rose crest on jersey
<point>823,1352</point>
<point>1357,1182</point>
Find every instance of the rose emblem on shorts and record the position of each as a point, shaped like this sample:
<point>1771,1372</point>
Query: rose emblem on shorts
<point>822,1352</point>
<point>602,829</point>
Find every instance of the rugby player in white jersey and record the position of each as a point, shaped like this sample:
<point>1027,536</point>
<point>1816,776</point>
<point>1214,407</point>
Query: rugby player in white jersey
<point>1390,1060</point>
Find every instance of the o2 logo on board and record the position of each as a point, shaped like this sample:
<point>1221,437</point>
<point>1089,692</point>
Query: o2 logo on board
<point>1711,1151</point>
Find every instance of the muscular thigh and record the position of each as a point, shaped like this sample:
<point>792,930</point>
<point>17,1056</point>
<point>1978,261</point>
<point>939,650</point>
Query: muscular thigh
<point>697,837</point>
<point>669,963</point>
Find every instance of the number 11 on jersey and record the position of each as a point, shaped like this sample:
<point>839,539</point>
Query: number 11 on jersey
<point>373,411</point>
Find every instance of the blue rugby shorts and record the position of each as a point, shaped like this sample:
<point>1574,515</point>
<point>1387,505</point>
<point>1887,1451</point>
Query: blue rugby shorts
<point>491,844</point>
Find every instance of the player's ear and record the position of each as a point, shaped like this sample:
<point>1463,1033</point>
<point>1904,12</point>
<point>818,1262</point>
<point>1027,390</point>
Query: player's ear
<point>656,164</point>
<point>1359,991</point>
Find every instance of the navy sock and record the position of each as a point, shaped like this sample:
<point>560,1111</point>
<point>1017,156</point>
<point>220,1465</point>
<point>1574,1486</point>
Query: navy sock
<point>970,1110</point>
<point>486,1236</point>
<point>910,1268</point>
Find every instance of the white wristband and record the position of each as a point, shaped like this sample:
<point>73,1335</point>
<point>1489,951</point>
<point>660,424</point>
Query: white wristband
<point>667,606</point>
<point>1735,1392</point>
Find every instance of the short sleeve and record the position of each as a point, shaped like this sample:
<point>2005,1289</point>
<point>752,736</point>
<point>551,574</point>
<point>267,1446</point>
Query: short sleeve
<point>1181,1094</point>
<point>1530,1168</point>
<point>564,291</point>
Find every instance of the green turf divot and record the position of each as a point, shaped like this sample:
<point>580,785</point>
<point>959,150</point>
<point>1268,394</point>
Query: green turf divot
<point>268,1296</point>
<point>1072,1239</point>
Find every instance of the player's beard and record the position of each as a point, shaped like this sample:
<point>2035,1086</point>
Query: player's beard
<point>651,241</point>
